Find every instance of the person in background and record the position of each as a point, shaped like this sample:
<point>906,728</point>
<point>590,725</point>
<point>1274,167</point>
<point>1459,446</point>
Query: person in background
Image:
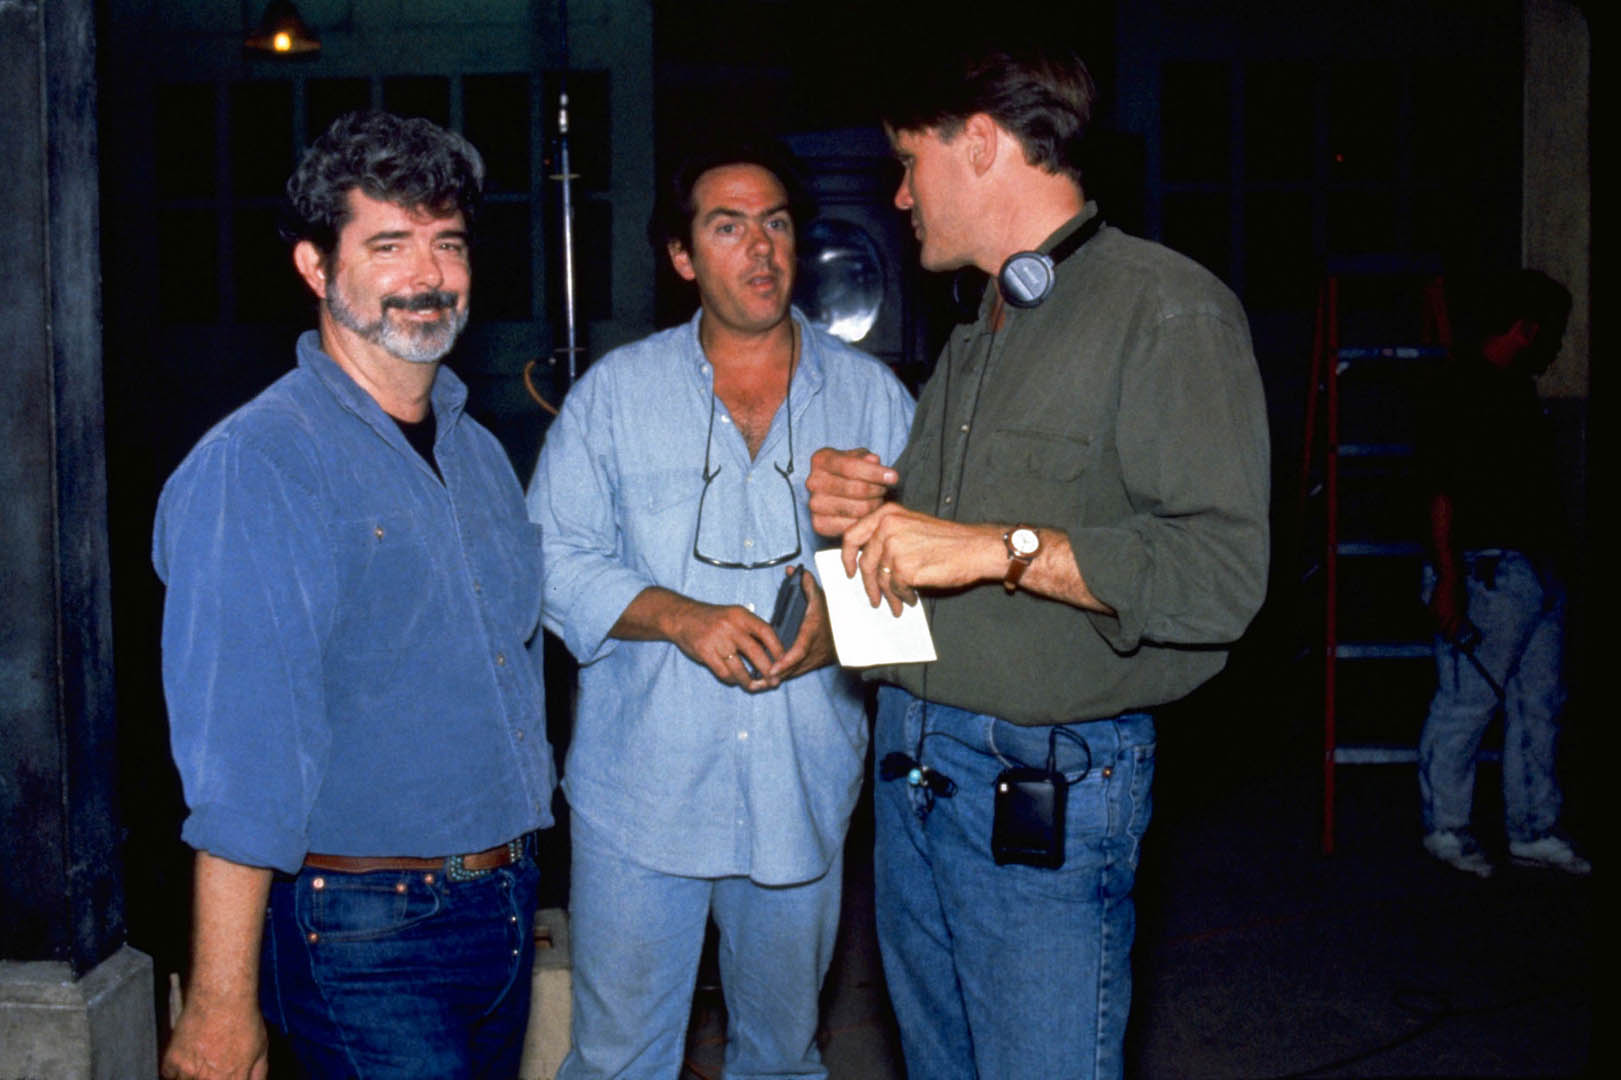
<point>1495,585</point>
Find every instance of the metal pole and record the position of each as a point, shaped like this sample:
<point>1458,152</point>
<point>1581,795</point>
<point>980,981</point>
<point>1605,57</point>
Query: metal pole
<point>566,176</point>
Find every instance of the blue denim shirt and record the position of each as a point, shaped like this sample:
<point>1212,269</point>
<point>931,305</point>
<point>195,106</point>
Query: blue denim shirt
<point>351,647</point>
<point>690,775</point>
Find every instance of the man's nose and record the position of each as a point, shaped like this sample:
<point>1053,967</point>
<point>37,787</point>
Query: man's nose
<point>903,196</point>
<point>761,241</point>
<point>426,270</point>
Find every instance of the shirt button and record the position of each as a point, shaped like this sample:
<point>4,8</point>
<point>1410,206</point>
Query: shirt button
<point>318,883</point>
<point>742,736</point>
<point>748,543</point>
<point>378,532</point>
<point>399,887</point>
<point>314,937</point>
<point>478,586</point>
<point>726,419</point>
<point>427,879</point>
<point>500,659</point>
<point>750,606</point>
<point>965,429</point>
<point>948,500</point>
<point>520,734</point>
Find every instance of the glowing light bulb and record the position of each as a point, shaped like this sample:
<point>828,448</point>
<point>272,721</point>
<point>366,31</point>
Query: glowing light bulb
<point>283,42</point>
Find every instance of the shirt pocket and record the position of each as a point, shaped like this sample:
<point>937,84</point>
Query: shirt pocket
<point>1053,456</point>
<point>1034,471</point>
<point>658,511</point>
<point>390,582</point>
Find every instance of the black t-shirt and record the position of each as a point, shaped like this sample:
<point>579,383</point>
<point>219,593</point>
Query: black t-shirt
<point>420,433</point>
<point>1489,445</point>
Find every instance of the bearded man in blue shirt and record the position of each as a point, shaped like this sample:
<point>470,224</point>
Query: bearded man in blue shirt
<point>351,659</point>
<point>713,767</point>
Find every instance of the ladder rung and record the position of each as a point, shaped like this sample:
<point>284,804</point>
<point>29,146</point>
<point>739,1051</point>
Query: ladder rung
<point>1383,650</point>
<point>1397,450</point>
<point>1392,352</point>
<point>1375,755</point>
<point>1368,548</point>
<point>1396,755</point>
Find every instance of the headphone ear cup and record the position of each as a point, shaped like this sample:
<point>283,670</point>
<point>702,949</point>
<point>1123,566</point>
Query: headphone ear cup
<point>1026,279</point>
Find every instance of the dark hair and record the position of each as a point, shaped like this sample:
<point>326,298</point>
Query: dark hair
<point>409,162</point>
<point>1488,305</point>
<point>1040,92</point>
<point>673,208</point>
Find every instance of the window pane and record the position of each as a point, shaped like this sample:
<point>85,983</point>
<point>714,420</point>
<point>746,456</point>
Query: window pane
<point>496,113</point>
<point>1361,222</point>
<point>261,137</point>
<point>501,262</point>
<point>1195,121</point>
<point>593,262</point>
<point>1466,119</point>
<point>184,155</point>
<point>1469,227</point>
<point>188,266</point>
<point>1364,122</point>
<point>1280,267</point>
<point>1280,129</point>
<point>267,288</point>
<point>427,96</point>
<point>327,99</point>
<point>1198,224</point>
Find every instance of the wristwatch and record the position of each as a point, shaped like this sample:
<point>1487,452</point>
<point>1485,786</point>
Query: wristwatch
<point>1023,544</point>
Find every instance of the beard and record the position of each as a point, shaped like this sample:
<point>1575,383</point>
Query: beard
<point>414,342</point>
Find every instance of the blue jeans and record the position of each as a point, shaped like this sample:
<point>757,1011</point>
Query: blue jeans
<point>637,934</point>
<point>1520,614</point>
<point>1014,971</point>
<point>401,973</point>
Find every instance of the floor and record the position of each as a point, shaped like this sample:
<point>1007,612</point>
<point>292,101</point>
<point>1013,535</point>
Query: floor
<point>1259,957</point>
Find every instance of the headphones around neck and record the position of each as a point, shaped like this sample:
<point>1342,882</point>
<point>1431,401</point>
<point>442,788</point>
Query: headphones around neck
<point>1027,277</point>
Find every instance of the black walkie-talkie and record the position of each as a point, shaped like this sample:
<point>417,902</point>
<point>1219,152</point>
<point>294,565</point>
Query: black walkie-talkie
<point>786,614</point>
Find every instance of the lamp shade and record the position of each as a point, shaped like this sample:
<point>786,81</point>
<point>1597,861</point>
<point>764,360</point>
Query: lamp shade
<point>282,31</point>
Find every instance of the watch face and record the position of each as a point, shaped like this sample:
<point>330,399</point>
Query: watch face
<point>1024,541</point>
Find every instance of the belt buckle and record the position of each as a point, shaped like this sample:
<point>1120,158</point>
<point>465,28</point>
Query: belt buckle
<point>456,865</point>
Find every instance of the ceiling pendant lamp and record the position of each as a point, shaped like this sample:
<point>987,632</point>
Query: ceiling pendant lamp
<point>283,32</point>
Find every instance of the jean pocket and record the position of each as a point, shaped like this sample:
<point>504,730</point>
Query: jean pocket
<point>336,907</point>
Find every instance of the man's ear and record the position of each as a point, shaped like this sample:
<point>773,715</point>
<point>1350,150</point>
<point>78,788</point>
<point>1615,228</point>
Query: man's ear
<point>681,260</point>
<point>1526,331</point>
<point>311,266</point>
<point>980,142</point>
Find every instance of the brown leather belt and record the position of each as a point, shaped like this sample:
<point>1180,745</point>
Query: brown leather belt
<point>489,859</point>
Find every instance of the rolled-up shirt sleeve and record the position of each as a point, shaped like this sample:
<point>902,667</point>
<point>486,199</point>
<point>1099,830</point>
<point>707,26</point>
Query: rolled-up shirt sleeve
<point>1188,566</point>
<point>251,585</point>
<point>572,498</point>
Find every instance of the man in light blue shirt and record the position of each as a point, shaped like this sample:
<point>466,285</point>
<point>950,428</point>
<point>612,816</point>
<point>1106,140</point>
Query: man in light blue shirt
<point>713,768</point>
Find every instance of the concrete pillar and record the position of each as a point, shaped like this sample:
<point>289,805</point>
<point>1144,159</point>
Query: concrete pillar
<point>74,1002</point>
<point>1556,218</point>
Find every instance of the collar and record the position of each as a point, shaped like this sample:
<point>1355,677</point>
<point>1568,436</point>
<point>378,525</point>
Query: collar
<point>808,375</point>
<point>448,396</point>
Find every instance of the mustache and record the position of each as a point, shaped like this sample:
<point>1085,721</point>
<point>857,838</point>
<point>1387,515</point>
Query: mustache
<point>422,301</point>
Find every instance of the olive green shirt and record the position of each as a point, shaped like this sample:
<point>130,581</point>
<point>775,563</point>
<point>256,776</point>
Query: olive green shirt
<point>1127,411</point>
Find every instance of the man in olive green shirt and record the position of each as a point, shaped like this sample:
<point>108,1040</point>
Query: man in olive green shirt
<point>1082,508</point>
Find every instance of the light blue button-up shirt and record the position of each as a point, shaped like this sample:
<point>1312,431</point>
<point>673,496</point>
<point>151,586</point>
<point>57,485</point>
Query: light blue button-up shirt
<point>350,646</point>
<point>690,775</point>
